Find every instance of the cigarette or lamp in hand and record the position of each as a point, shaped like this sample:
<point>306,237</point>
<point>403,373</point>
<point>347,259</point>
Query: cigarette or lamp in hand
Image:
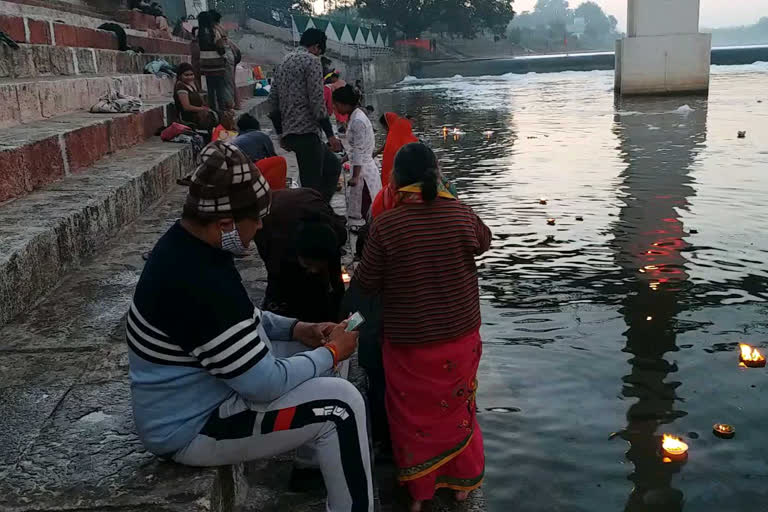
<point>673,449</point>
<point>345,276</point>
<point>750,357</point>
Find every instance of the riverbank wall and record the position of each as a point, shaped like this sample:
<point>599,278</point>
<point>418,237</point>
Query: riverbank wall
<point>267,45</point>
<point>556,63</point>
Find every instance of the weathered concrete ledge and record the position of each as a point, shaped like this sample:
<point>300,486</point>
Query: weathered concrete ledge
<point>35,154</point>
<point>47,233</point>
<point>26,100</point>
<point>31,61</point>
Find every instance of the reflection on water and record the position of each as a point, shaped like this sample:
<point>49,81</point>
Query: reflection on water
<point>626,322</point>
<point>650,249</point>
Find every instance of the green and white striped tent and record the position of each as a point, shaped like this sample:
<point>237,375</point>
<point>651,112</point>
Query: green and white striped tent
<point>342,32</point>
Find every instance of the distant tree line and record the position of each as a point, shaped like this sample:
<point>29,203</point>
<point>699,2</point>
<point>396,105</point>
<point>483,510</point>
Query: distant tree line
<point>732,36</point>
<point>554,25</point>
<point>464,18</point>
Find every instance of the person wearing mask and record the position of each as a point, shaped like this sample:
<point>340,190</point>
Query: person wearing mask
<point>419,258</point>
<point>365,183</point>
<point>258,146</point>
<point>299,114</point>
<point>300,244</point>
<point>216,381</point>
<point>213,63</point>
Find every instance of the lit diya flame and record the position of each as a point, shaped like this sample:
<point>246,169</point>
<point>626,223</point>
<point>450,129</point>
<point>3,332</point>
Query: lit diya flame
<point>750,357</point>
<point>488,134</point>
<point>542,200</point>
<point>674,448</point>
<point>551,222</point>
<point>723,430</point>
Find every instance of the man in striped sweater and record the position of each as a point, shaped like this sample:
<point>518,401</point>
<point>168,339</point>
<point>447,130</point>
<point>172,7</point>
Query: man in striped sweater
<point>216,381</point>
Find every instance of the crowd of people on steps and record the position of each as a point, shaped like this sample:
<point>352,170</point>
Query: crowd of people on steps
<point>217,379</point>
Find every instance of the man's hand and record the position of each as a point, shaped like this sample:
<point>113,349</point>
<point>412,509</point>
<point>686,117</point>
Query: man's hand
<point>335,144</point>
<point>313,335</point>
<point>353,181</point>
<point>284,144</point>
<point>344,342</point>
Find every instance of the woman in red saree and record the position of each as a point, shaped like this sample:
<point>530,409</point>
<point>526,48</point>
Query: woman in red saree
<point>399,133</point>
<point>420,259</point>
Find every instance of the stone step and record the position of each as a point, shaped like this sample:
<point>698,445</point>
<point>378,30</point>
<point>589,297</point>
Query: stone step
<point>65,405</point>
<point>36,154</point>
<point>28,100</point>
<point>23,29</point>
<point>66,421</point>
<point>35,60</point>
<point>67,199</point>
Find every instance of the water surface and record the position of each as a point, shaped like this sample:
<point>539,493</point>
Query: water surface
<point>627,321</point>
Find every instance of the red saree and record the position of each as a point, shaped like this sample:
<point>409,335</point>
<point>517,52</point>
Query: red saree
<point>430,398</point>
<point>399,133</point>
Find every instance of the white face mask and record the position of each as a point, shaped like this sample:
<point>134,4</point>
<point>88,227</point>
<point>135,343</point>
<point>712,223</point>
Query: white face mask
<point>230,242</point>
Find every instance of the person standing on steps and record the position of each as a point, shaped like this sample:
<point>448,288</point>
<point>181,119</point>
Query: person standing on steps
<point>419,259</point>
<point>365,182</point>
<point>298,112</point>
<point>216,381</point>
<point>213,63</point>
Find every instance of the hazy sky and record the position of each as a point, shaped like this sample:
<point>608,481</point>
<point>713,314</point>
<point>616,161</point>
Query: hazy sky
<point>714,13</point>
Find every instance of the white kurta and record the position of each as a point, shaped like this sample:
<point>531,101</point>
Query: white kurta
<point>360,147</point>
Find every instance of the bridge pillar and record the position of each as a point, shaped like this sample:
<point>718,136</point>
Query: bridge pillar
<point>664,52</point>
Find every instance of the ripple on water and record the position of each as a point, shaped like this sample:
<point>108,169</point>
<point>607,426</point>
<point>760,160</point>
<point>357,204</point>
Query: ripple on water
<point>624,322</point>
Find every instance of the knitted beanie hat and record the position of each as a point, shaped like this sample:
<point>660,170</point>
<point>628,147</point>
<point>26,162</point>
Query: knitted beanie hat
<point>226,183</point>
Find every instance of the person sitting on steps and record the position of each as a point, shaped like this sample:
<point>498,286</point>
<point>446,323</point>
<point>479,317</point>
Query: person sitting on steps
<point>216,381</point>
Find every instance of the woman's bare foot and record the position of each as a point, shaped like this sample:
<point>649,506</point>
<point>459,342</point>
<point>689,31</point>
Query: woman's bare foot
<point>416,506</point>
<point>462,496</point>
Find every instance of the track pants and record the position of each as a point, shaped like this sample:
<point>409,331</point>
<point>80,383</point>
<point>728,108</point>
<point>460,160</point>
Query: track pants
<point>319,167</point>
<point>324,417</point>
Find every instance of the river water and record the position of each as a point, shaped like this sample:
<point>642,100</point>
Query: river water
<point>604,333</point>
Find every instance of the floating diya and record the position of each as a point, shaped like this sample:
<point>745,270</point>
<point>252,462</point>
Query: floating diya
<point>750,357</point>
<point>723,430</point>
<point>674,449</point>
<point>551,222</point>
<point>542,200</point>
<point>488,134</point>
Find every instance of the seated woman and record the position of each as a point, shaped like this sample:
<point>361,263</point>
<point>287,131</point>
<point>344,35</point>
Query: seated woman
<point>190,104</point>
<point>258,146</point>
<point>420,259</point>
<point>365,182</point>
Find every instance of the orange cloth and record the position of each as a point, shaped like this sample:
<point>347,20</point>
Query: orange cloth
<point>257,73</point>
<point>274,169</point>
<point>399,133</point>
<point>221,133</point>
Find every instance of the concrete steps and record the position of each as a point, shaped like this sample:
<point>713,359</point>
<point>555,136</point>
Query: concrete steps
<point>66,419</point>
<point>32,60</point>
<point>33,30</point>
<point>35,99</point>
<point>36,154</point>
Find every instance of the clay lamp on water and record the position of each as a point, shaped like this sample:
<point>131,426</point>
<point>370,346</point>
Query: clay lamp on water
<point>551,222</point>
<point>750,357</point>
<point>723,431</point>
<point>542,200</point>
<point>673,449</point>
